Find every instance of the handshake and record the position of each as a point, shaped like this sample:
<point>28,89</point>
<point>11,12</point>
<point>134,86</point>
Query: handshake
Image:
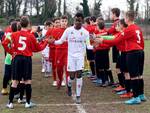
<point>98,39</point>
<point>49,39</point>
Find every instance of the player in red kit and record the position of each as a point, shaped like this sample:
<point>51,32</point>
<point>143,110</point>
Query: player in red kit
<point>61,54</point>
<point>53,33</point>
<point>22,44</point>
<point>90,26</point>
<point>104,74</point>
<point>134,46</point>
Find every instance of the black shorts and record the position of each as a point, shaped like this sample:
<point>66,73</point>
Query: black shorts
<point>102,59</point>
<point>123,62</point>
<point>22,68</point>
<point>115,54</point>
<point>90,54</point>
<point>135,63</point>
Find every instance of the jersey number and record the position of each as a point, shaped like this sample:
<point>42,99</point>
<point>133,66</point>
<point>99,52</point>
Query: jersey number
<point>22,42</point>
<point>138,36</point>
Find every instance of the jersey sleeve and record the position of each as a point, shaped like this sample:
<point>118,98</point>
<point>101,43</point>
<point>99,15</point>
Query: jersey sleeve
<point>38,46</point>
<point>63,38</point>
<point>114,41</point>
<point>6,42</point>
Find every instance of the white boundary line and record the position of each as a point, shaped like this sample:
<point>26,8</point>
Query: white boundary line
<point>74,104</point>
<point>80,107</point>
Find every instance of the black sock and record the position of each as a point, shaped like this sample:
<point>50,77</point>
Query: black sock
<point>7,75</point>
<point>109,74</point>
<point>5,82</point>
<point>128,85</point>
<point>92,66</point>
<point>103,76</point>
<point>135,87</point>
<point>141,86</point>
<point>11,94</point>
<point>121,79</point>
<point>98,74</point>
<point>28,92</point>
<point>21,90</point>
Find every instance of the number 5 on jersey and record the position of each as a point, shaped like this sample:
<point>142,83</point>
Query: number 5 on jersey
<point>138,36</point>
<point>22,42</point>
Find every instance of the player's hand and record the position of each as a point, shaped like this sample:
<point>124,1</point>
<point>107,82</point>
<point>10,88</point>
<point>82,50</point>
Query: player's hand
<point>51,41</point>
<point>34,29</point>
<point>98,40</point>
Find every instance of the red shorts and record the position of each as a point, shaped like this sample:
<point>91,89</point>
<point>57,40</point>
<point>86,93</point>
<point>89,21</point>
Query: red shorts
<point>61,56</point>
<point>52,54</point>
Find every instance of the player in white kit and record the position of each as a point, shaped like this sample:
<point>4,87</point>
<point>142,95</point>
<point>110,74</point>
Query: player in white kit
<point>77,38</point>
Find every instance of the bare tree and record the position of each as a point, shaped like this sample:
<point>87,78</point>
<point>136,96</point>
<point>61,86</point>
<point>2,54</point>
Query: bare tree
<point>85,6</point>
<point>59,8</point>
<point>147,9</point>
<point>65,8</point>
<point>1,7</point>
<point>13,7</point>
<point>49,9</point>
<point>131,4</point>
<point>25,7</point>
<point>97,8</point>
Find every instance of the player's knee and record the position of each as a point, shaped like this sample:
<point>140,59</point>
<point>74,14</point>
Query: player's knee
<point>14,83</point>
<point>28,82</point>
<point>72,76</point>
<point>100,70</point>
<point>79,74</point>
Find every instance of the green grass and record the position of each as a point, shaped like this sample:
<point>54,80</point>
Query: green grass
<point>44,93</point>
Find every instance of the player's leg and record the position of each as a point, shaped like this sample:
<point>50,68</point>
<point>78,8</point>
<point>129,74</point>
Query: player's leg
<point>6,79</point>
<point>79,83</point>
<point>13,89</point>
<point>90,58</point>
<point>99,75</point>
<point>28,81</point>
<point>141,80</point>
<point>42,61</point>
<point>59,65</point>
<point>71,70</point>
<point>21,88</point>
<point>107,67</point>
<point>133,63</point>
<point>16,76</point>
<point>79,80</point>
<point>52,59</point>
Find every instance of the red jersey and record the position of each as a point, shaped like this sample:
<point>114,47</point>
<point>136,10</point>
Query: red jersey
<point>102,46</point>
<point>56,33</point>
<point>23,43</point>
<point>90,28</point>
<point>49,33</point>
<point>60,32</point>
<point>132,36</point>
<point>112,30</point>
<point>7,30</point>
<point>120,46</point>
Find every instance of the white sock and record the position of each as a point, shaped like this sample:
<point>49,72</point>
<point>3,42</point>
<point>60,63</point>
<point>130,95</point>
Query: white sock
<point>48,66</point>
<point>79,82</point>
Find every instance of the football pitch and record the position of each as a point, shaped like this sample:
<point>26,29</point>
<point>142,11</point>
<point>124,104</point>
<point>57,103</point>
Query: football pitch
<point>94,99</point>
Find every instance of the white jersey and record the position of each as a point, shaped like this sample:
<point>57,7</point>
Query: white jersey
<point>77,41</point>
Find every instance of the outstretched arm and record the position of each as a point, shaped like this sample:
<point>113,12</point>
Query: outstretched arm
<point>62,39</point>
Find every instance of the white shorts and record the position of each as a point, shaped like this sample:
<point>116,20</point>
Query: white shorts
<point>75,64</point>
